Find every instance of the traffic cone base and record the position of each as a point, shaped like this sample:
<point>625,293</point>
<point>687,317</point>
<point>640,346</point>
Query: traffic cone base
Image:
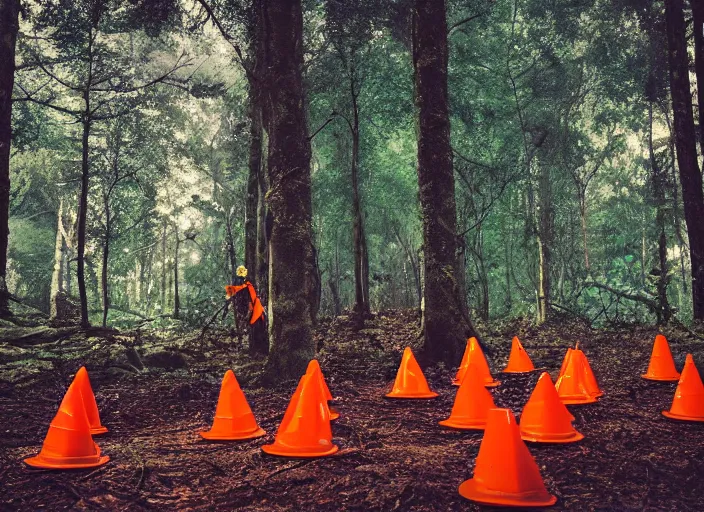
<point>477,424</point>
<point>682,417</point>
<point>412,396</point>
<point>535,437</point>
<point>661,366</point>
<point>44,462</point>
<point>410,381</point>
<point>474,491</point>
<point>578,400</point>
<point>294,452</point>
<point>505,473</point>
<point>494,383</point>
<point>212,436</point>
<point>518,360</point>
<point>660,379</point>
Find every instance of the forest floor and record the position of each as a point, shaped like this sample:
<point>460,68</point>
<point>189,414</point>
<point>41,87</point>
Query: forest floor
<point>393,454</point>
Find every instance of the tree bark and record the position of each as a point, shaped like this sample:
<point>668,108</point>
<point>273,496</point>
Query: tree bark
<point>698,22</point>
<point>292,265</point>
<point>361,258</point>
<point>255,159</point>
<point>9,25</point>
<point>57,276</point>
<point>445,326</point>
<point>690,175</point>
<point>82,216</point>
<point>163,266</point>
<point>177,298</point>
<point>106,259</point>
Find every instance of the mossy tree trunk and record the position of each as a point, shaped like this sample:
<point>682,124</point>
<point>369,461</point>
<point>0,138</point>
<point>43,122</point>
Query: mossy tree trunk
<point>292,263</point>
<point>445,326</point>
<point>685,141</point>
<point>9,25</point>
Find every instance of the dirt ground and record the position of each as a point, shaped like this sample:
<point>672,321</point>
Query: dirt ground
<point>393,454</point>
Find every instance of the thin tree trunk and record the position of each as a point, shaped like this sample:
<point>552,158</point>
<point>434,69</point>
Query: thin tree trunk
<point>57,276</point>
<point>9,25</point>
<point>231,253</point>
<point>177,298</point>
<point>445,327</point>
<point>545,228</point>
<point>163,266</point>
<point>83,199</point>
<point>583,223</point>
<point>690,175</point>
<point>292,262</point>
<point>106,256</point>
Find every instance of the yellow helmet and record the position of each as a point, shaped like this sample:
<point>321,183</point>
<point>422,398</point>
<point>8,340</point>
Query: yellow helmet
<point>242,271</point>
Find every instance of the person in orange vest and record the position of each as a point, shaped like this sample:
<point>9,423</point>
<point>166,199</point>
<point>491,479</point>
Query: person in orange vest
<point>249,310</point>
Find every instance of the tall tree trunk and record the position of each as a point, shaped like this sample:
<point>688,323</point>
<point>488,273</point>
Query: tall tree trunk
<point>82,216</point>
<point>361,259</point>
<point>255,159</point>
<point>292,263</point>
<point>690,175</point>
<point>445,327</point>
<point>698,22</point>
<point>9,25</point>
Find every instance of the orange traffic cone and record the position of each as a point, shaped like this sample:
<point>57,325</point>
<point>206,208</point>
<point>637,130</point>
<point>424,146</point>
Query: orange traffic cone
<point>472,404</point>
<point>68,443</point>
<point>82,382</point>
<point>566,359</point>
<point>305,430</point>
<point>571,386</point>
<point>473,354</point>
<point>410,381</point>
<point>662,366</point>
<point>234,419</point>
<point>545,419</point>
<point>505,472</point>
<point>688,403</point>
<point>314,368</point>
<point>518,361</point>
<point>589,377</point>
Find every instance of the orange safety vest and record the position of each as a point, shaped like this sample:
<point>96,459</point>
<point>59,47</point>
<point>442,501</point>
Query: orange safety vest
<point>255,305</point>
